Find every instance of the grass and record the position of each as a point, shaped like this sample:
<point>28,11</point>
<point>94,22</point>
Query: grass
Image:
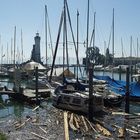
<point>3,136</point>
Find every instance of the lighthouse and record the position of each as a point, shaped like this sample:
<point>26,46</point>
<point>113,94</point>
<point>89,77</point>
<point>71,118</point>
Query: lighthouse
<point>36,49</point>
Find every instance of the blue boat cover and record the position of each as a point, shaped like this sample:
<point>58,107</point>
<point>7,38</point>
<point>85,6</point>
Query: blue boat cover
<point>120,86</point>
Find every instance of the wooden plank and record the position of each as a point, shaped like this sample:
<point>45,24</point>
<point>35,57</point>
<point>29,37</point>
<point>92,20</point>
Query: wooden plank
<point>91,126</point>
<point>103,130</point>
<point>120,113</point>
<point>84,123</point>
<point>66,129</point>
<point>71,123</point>
<point>39,136</point>
<point>43,130</point>
<point>35,108</point>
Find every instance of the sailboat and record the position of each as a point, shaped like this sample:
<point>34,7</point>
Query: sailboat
<point>66,96</point>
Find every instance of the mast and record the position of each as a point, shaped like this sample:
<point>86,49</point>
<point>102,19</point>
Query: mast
<point>64,35</point>
<point>137,47</point>
<point>87,36</point>
<point>1,56</point>
<point>131,50</point>
<point>7,54</point>
<point>11,51</point>
<point>113,36</point>
<point>94,29</point>
<point>122,47</point>
<point>113,43</point>
<point>1,52</point>
<point>77,39</point>
<point>46,36</point>
<point>21,47</point>
<point>14,45</point>
<point>56,47</point>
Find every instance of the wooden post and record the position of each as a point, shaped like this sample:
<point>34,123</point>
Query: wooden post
<point>36,75</point>
<point>120,72</point>
<point>127,91</point>
<point>131,73</point>
<point>90,92</point>
<point>74,71</point>
<point>135,69</point>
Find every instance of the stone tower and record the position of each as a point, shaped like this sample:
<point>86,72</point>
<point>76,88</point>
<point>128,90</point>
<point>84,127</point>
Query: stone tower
<point>36,49</point>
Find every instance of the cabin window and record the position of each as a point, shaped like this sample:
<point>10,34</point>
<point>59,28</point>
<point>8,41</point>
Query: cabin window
<point>67,99</point>
<point>76,101</point>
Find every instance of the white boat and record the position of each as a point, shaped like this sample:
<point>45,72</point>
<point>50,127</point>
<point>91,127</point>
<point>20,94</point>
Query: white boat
<point>69,99</point>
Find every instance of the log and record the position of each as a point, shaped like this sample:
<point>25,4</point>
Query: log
<point>66,129</point>
<point>76,122</point>
<point>39,136</point>
<point>121,132</point>
<point>120,113</point>
<point>35,108</point>
<point>84,123</point>
<point>91,126</point>
<point>132,131</point>
<point>23,124</point>
<point>103,130</point>
<point>43,130</point>
<point>71,123</point>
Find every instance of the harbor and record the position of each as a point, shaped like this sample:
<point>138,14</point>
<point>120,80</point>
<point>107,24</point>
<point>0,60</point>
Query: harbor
<point>60,79</point>
<point>30,121</point>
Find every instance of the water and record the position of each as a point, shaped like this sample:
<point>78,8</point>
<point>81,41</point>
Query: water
<point>8,108</point>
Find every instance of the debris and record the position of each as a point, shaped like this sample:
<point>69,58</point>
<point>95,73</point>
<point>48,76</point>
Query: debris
<point>103,130</point>
<point>39,136</point>
<point>35,108</point>
<point>22,124</point>
<point>84,123</point>
<point>43,130</point>
<point>71,123</point>
<point>66,129</point>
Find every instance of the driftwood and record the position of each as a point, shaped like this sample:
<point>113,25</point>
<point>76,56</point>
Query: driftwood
<point>43,130</point>
<point>127,129</point>
<point>22,124</point>
<point>76,122</point>
<point>83,119</point>
<point>120,113</point>
<point>121,132</point>
<point>103,130</point>
<point>71,122</point>
<point>39,136</point>
<point>35,108</point>
<point>91,126</point>
<point>66,129</point>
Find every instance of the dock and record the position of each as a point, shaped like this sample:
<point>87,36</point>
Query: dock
<point>28,95</point>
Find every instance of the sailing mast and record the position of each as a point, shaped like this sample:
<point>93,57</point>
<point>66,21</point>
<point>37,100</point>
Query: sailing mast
<point>87,37</point>
<point>113,43</point>
<point>137,49</point>
<point>21,46</point>
<point>7,54</point>
<point>131,50</point>
<point>46,36</point>
<point>14,46</point>
<point>64,35</point>
<point>77,39</point>
<point>11,51</point>
<point>94,29</point>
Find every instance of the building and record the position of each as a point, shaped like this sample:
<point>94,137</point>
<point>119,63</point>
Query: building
<point>35,56</point>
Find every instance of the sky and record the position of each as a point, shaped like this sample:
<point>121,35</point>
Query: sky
<point>29,16</point>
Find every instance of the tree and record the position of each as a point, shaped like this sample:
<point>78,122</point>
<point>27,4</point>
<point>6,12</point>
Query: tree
<point>108,57</point>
